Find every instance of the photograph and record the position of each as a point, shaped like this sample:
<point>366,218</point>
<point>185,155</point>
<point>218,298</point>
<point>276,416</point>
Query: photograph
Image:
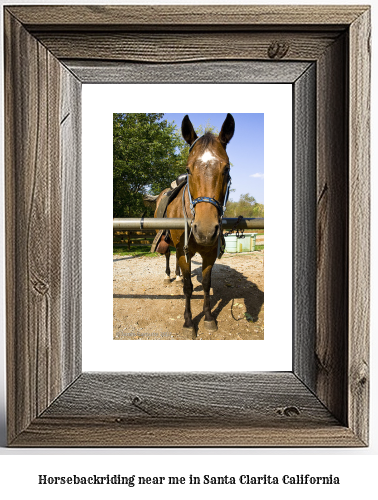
<point>205,282</point>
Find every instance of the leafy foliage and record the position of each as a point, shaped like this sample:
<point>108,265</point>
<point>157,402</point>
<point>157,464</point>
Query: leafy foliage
<point>246,206</point>
<point>146,158</point>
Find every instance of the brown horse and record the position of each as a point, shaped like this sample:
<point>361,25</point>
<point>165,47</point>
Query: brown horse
<point>203,198</point>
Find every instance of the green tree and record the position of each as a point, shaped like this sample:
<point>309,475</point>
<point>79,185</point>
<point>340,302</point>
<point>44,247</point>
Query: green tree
<point>146,158</point>
<point>246,206</point>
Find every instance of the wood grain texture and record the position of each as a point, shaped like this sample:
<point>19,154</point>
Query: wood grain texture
<point>359,226</point>
<point>332,230</point>
<point>33,227</point>
<point>220,396</point>
<point>99,432</point>
<point>31,148</point>
<point>304,227</point>
<point>71,189</point>
<point>172,16</point>
<point>180,47</point>
<point>200,72</point>
<point>223,409</point>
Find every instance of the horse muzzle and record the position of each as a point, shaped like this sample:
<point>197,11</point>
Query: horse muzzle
<point>206,234</point>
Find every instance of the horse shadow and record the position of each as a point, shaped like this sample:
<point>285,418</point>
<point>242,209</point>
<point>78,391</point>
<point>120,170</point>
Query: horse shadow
<point>229,285</point>
<point>128,257</point>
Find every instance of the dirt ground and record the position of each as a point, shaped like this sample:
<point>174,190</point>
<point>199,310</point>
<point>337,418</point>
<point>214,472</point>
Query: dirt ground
<point>146,309</point>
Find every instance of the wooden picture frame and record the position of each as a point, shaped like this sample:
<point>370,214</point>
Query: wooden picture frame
<point>49,52</point>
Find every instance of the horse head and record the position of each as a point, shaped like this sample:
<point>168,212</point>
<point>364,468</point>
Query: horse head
<point>208,171</point>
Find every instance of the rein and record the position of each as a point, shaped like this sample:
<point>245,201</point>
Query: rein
<point>186,248</point>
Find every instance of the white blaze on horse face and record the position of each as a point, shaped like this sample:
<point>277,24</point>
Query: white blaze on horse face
<point>207,156</point>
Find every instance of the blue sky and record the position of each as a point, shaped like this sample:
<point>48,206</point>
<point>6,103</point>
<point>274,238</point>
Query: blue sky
<point>246,149</point>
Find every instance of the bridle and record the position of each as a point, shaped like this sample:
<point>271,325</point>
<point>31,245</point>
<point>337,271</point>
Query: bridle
<point>221,209</point>
<point>203,199</point>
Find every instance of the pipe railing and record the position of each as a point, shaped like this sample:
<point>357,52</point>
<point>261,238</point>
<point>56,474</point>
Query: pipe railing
<point>140,224</point>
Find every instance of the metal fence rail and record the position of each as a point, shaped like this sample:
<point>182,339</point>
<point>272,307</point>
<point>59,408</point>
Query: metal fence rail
<point>179,223</point>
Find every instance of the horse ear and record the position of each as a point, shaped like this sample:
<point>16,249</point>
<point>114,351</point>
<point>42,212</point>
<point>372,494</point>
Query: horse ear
<point>188,131</point>
<point>228,129</point>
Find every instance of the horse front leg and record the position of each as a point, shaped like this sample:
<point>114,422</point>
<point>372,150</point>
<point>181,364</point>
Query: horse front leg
<point>207,266</point>
<point>188,327</point>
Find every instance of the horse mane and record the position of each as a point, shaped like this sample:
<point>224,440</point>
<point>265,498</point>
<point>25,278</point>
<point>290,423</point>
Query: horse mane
<point>206,140</point>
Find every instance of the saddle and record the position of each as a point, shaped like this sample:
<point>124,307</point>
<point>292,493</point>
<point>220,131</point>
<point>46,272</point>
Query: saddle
<point>161,212</point>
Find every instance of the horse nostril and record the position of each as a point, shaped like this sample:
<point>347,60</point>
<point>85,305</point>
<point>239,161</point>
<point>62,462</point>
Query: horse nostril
<point>216,230</point>
<point>195,228</point>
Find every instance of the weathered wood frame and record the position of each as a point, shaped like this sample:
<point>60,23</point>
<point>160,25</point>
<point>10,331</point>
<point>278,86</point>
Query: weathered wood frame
<point>324,400</point>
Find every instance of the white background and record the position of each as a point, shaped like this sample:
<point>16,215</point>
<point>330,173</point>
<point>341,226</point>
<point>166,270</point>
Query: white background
<point>356,467</point>
<point>100,351</point>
